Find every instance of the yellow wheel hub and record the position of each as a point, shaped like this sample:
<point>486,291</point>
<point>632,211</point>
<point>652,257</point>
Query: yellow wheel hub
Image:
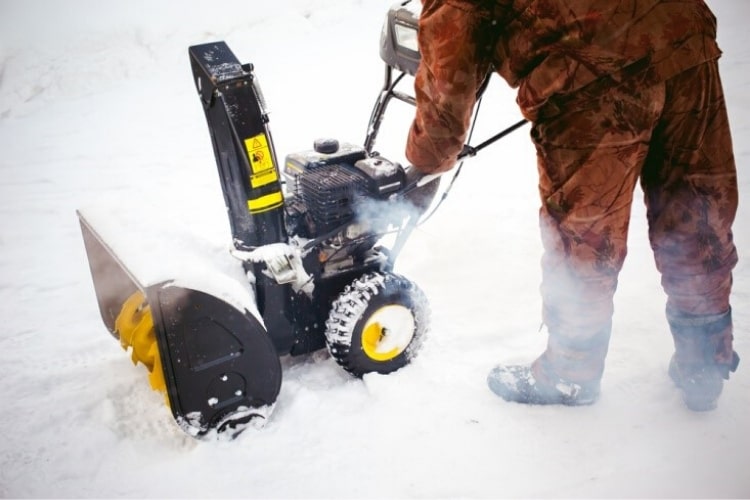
<point>388,331</point>
<point>135,327</point>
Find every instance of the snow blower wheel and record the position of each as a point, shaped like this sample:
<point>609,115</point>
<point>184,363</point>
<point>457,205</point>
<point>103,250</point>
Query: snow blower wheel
<point>377,324</point>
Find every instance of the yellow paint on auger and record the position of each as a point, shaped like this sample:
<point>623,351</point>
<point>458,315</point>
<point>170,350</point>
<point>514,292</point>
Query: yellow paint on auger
<point>135,327</point>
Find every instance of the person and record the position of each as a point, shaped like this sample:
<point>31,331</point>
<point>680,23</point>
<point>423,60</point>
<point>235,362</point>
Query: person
<point>617,92</point>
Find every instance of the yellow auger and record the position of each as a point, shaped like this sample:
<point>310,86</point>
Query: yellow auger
<point>135,327</point>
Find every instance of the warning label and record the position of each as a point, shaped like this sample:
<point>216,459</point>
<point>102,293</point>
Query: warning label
<point>261,161</point>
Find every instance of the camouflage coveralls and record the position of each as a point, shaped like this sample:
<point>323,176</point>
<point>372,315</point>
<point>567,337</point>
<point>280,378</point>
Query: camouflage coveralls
<point>617,91</point>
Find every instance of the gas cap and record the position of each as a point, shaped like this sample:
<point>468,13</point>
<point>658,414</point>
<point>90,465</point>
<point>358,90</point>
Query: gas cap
<point>326,146</point>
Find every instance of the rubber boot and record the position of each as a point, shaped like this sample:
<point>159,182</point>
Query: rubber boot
<point>567,373</point>
<point>703,357</point>
<point>532,384</point>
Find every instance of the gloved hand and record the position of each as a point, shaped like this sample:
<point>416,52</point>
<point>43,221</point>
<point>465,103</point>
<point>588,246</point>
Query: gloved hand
<point>419,190</point>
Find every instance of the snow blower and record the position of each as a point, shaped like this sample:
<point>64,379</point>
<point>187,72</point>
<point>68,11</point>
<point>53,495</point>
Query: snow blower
<point>308,238</point>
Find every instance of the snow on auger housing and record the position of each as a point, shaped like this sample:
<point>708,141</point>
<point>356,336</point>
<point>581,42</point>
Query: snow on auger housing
<point>316,275</point>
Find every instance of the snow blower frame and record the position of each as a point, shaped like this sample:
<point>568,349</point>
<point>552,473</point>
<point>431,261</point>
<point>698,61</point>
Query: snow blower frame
<point>308,238</point>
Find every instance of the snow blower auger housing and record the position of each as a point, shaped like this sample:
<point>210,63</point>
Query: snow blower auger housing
<point>307,239</point>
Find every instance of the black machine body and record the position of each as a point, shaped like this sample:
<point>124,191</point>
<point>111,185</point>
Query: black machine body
<point>314,271</point>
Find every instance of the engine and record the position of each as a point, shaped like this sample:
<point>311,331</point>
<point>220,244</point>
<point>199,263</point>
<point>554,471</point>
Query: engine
<point>338,199</point>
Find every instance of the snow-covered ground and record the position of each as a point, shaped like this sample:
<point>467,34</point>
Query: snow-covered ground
<point>98,109</point>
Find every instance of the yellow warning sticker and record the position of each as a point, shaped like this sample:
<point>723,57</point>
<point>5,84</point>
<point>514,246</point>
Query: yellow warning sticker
<point>261,161</point>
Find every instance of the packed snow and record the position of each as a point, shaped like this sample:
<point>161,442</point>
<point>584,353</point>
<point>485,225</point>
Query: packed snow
<point>98,112</point>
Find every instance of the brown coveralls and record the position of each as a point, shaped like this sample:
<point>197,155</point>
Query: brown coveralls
<point>617,91</point>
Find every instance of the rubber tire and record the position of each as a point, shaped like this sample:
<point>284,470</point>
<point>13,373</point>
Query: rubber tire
<point>356,304</point>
